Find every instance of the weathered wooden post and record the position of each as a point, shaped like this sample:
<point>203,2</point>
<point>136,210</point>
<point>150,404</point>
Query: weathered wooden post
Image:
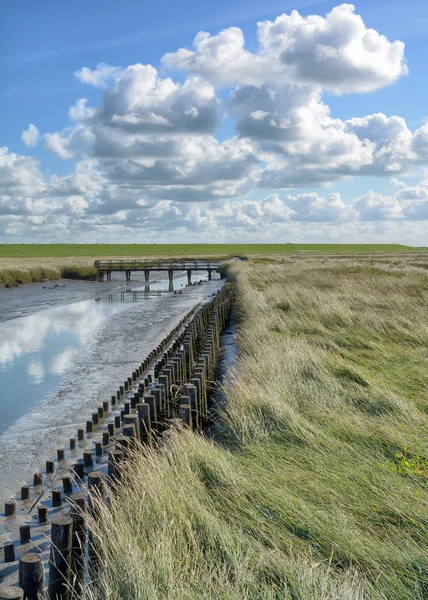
<point>151,401</point>
<point>9,552</point>
<point>11,593</point>
<point>42,512</point>
<point>145,423</point>
<point>9,508</point>
<point>185,411</point>
<point>115,457</point>
<point>56,498</point>
<point>132,420</point>
<point>88,458</point>
<point>78,539</point>
<point>24,534</point>
<point>31,576</point>
<point>67,484</point>
<point>60,559</point>
<point>37,479</point>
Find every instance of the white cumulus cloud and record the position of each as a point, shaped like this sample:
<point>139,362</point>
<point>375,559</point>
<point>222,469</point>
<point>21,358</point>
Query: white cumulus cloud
<point>30,136</point>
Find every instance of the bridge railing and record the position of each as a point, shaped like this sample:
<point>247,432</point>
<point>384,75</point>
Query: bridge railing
<point>155,264</point>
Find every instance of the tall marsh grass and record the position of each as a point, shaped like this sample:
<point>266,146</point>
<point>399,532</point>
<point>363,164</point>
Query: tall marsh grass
<point>306,491</point>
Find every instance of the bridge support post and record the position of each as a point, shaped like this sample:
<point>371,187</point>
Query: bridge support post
<point>171,275</point>
<point>209,274</point>
<point>108,275</point>
<point>189,276</point>
<point>147,275</point>
<point>128,275</point>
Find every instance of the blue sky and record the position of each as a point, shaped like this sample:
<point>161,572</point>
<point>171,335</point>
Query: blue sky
<point>44,45</point>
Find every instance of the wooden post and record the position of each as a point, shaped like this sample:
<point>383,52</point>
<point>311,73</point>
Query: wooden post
<point>24,534</point>
<point>25,492</point>
<point>9,508</point>
<point>145,423</point>
<point>78,539</point>
<point>56,498</point>
<point>9,552</point>
<point>88,458</point>
<point>135,400</point>
<point>37,479</point>
<point>132,420</point>
<point>42,512</point>
<point>11,593</point>
<point>122,444</point>
<point>151,401</point>
<point>67,484</point>
<point>31,576</point>
<point>79,470</point>
<point>60,559</point>
<point>96,488</point>
<point>186,410</point>
<point>129,432</point>
<point>80,434</point>
<point>114,459</point>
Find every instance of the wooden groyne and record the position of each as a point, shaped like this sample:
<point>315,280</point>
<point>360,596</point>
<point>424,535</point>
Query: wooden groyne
<point>47,551</point>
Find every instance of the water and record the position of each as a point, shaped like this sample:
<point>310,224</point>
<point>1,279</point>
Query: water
<point>64,351</point>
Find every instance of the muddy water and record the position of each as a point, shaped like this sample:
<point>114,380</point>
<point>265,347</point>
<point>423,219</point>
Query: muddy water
<point>64,350</point>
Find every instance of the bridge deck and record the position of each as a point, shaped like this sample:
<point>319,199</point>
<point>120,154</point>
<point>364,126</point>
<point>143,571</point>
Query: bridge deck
<point>159,264</point>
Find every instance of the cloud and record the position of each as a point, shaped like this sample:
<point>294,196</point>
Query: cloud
<point>80,110</point>
<point>30,136</point>
<point>99,77</point>
<point>337,53</point>
<point>229,147</point>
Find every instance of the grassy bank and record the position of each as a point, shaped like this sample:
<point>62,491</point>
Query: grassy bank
<point>178,250</point>
<point>21,273</point>
<point>316,484</point>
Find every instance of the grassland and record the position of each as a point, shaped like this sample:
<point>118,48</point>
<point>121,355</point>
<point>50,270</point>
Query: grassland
<point>100,250</point>
<point>315,485</point>
<point>26,263</point>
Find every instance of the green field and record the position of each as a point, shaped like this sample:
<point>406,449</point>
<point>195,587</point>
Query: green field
<point>60,250</point>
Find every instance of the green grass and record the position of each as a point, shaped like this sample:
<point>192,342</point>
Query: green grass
<point>70,250</point>
<point>315,485</point>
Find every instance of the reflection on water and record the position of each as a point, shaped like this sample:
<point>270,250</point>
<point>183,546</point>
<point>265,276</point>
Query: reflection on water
<point>36,350</point>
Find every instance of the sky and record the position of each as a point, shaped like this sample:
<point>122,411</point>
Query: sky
<point>227,121</point>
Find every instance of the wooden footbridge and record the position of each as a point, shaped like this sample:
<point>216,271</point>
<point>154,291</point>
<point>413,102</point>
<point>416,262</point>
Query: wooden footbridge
<point>106,267</point>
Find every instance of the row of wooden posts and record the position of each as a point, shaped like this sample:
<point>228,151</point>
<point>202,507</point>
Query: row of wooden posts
<point>183,367</point>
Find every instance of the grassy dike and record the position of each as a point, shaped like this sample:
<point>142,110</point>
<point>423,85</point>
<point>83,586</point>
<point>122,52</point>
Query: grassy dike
<point>316,484</point>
